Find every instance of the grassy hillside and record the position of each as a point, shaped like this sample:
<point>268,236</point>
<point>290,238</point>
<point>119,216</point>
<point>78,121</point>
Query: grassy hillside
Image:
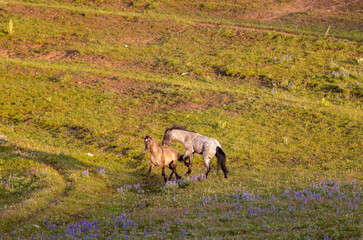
<point>82,83</point>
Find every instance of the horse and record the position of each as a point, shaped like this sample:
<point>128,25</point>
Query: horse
<point>196,143</point>
<point>161,156</point>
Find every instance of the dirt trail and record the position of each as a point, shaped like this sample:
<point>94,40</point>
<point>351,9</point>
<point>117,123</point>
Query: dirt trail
<point>276,11</point>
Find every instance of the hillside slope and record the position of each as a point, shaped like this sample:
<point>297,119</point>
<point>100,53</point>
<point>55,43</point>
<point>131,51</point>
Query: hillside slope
<point>82,83</point>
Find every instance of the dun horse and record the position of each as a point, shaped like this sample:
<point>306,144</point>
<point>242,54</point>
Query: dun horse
<point>161,157</point>
<point>196,143</point>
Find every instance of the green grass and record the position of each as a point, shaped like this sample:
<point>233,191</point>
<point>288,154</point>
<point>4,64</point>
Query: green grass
<point>83,82</point>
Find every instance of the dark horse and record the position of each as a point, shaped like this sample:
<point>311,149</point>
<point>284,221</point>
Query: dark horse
<point>161,157</point>
<point>196,143</point>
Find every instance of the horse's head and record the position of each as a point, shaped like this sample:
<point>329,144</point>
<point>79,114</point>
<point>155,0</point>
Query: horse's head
<point>167,139</point>
<point>184,160</point>
<point>147,140</point>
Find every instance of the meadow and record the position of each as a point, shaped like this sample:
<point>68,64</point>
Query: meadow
<point>278,83</point>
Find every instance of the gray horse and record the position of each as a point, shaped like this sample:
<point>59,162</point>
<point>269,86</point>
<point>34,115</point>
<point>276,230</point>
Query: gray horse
<point>196,143</point>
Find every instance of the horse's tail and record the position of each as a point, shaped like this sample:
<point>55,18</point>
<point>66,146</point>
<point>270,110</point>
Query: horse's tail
<point>221,160</point>
<point>179,158</point>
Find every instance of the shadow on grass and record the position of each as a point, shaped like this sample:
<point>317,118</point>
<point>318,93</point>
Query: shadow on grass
<point>60,162</point>
<point>17,163</point>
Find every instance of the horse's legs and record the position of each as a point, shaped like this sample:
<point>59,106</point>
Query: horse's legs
<point>207,164</point>
<point>190,154</point>
<point>148,174</point>
<point>171,174</point>
<point>176,175</point>
<point>172,168</point>
<point>163,173</point>
<point>208,169</point>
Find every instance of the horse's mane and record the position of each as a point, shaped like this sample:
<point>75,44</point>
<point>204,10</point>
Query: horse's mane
<point>177,127</point>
